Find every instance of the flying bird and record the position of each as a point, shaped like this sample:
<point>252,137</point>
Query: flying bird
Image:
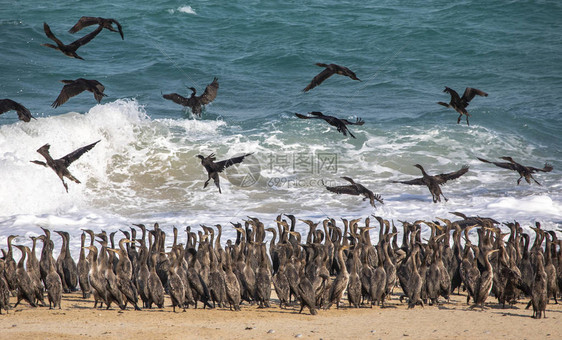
<point>196,102</point>
<point>213,168</point>
<point>8,105</point>
<point>524,171</point>
<point>433,182</point>
<point>103,22</point>
<point>60,166</point>
<point>356,189</point>
<point>75,87</point>
<point>460,103</point>
<point>340,124</point>
<point>329,70</point>
<point>70,49</point>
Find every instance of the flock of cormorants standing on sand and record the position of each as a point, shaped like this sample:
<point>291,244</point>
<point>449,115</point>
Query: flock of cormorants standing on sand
<point>329,265</point>
<point>315,271</point>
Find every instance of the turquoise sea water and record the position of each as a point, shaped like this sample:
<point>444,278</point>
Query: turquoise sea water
<point>263,53</point>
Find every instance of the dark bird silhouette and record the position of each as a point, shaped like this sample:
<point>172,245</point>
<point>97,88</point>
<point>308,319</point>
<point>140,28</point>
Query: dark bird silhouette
<point>196,102</point>
<point>103,22</point>
<point>213,168</point>
<point>8,105</point>
<point>433,182</point>
<point>75,87</point>
<point>523,171</point>
<point>60,166</point>
<point>70,49</point>
<point>329,70</point>
<point>356,189</point>
<point>460,103</point>
<point>340,124</point>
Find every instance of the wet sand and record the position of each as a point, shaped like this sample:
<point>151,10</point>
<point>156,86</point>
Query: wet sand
<point>78,320</point>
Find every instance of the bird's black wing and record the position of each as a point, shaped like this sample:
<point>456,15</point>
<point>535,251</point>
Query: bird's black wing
<point>220,166</point>
<point>86,39</point>
<point>68,91</point>
<point>547,168</point>
<point>210,92</point>
<point>455,98</point>
<point>344,189</point>
<point>318,79</point>
<point>417,181</point>
<point>84,22</point>
<point>359,121</point>
<point>305,117</point>
<point>504,165</point>
<point>8,104</point>
<point>344,71</point>
<point>50,34</point>
<point>97,94</point>
<point>442,178</point>
<point>74,155</point>
<point>176,98</point>
<point>469,94</point>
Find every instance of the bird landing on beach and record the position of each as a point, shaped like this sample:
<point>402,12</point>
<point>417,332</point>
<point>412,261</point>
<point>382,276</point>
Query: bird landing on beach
<point>523,171</point>
<point>339,124</point>
<point>214,168</point>
<point>433,182</point>
<point>460,103</point>
<point>60,166</point>
<point>356,189</point>
<point>329,70</point>
<point>196,102</point>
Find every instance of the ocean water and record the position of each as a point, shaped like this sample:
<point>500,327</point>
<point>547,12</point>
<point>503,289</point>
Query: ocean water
<point>145,169</point>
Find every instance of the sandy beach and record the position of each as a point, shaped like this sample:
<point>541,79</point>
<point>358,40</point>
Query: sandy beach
<point>78,320</point>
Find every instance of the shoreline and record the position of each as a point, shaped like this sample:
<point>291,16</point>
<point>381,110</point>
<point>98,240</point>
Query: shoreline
<point>79,320</point>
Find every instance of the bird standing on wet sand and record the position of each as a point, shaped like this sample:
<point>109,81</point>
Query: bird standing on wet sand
<point>433,182</point>
<point>8,105</point>
<point>340,124</point>
<point>75,87</point>
<point>524,171</point>
<point>356,189</point>
<point>213,168</point>
<point>460,103</point>
<point>70,49</point>
<point>60,166</point>
<point>329,70</point>
<point>103,22</point>
<point>196,102</point>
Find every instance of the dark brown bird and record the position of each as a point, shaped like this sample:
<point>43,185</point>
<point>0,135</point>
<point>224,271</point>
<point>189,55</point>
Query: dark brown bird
<point>524,171</point>
<point>75,87</point>
<point>460,103</point>
<point>70,49</point>
<point>356,189</point>
<point>8,105</point>
<point>433,182</point>
<point>340,124</point>
<point>103,22</point>
<point>196,102</point>
<point>329,70</point>
<point>213,168</point>
<point>60,166</point>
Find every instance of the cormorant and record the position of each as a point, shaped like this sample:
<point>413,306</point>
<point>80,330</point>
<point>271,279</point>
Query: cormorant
<point>70,49</point>
<point>8,105</point>
<point>53,285</point>
<point>339,124</point>
<point>213,168</point>
<point>329,70</point>
<point>24,285</point>
<point>83,267</point>
<point>60,166</point>
<point>460,103</point>
<point>433,182</point>
<point>196,102</point>
<point>103,22</point>
<point>341,281</point>
<point>66,267</point>
<point>75,87</point>
<point>356,189</point>
<point>484,283</point>
<point>4,290</point>
<point>524,171</point>
<point>539,293</point>
<point>155,287</point>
